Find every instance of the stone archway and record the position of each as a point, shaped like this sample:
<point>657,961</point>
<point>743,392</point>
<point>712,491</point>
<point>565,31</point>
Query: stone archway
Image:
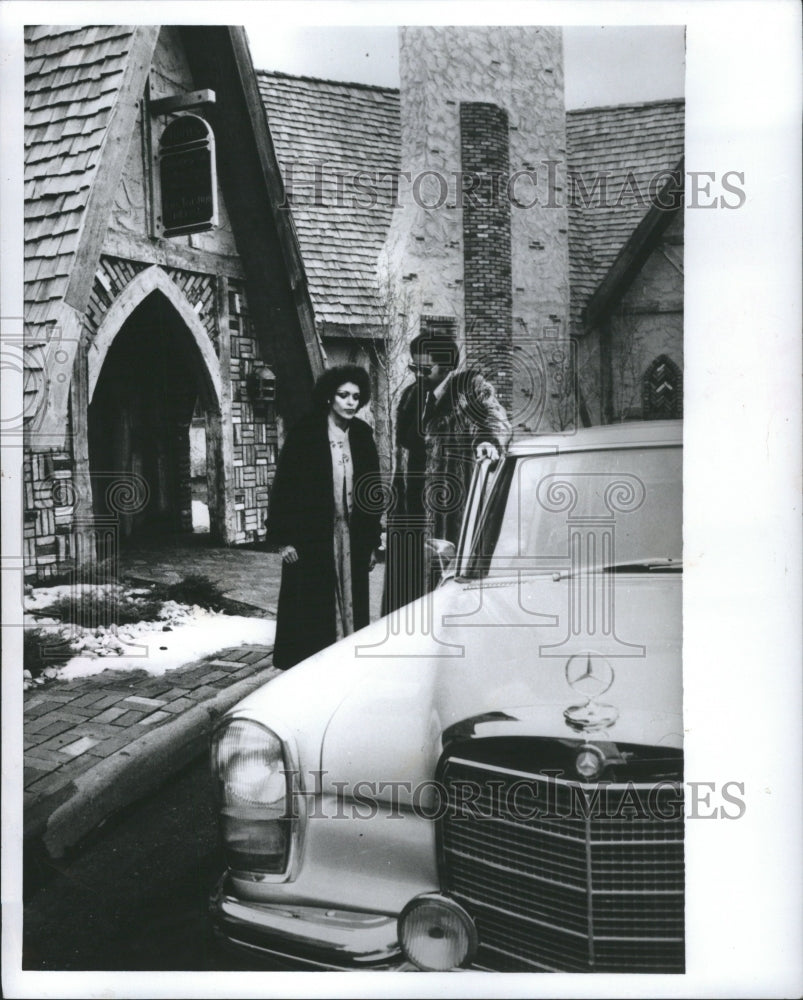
<point>133,295</point>
<point>152,376</point>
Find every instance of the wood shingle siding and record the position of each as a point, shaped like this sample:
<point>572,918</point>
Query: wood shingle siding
<point>323,131</point>
<point>640,139</point>
<point>72,79</point>
<point>98,268</point>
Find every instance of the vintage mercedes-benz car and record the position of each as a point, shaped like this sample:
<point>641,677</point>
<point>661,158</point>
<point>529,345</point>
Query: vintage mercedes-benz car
<point>491,777</point>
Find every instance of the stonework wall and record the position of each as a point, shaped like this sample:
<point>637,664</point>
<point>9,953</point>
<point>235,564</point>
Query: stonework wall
<point>49,497</point>
<point>519,70</point>
<point>48,542</point>
<point>50,539</point>
<point>113,276</point>
<point>254,431</point>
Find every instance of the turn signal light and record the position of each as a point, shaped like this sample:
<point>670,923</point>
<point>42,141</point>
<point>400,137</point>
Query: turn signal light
<point>436,933</point>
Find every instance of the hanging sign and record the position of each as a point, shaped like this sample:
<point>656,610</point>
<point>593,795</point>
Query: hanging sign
<point>187,176</point>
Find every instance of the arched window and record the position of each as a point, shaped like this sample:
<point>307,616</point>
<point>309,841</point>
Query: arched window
<point>187,176</point>
<point>662,390</point>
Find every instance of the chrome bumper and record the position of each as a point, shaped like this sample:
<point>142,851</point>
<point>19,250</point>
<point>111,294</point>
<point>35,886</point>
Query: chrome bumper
<point>308,937</point>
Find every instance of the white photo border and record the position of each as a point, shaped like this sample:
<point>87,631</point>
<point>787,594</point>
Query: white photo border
<point>742,500</point>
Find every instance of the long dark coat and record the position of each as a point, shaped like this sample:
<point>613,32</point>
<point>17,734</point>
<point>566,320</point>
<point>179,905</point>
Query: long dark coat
<point>301,514</point>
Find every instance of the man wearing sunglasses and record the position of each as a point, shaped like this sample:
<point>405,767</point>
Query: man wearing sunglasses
<point>447,418</point>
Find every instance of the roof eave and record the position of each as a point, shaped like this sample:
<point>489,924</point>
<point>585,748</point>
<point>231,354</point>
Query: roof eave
<point>631,258</point>
<point>291,250</point>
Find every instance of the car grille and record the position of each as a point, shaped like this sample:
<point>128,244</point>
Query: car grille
<point>558,882</point>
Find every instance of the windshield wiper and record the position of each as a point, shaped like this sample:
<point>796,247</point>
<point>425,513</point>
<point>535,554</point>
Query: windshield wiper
<point>654,564</point>
<point>664,564</point>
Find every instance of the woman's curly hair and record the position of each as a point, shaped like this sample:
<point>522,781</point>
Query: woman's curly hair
<point>331,380</point>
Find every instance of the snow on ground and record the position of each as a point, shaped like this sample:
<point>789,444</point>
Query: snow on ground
<point>41,597</point>
<point>181,635</point>
<point>203,634</point>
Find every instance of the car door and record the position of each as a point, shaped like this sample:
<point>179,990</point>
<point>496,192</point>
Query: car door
<point>485,472</point>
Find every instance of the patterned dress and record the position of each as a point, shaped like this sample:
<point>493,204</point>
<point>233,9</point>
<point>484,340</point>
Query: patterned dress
<point>342,478</point>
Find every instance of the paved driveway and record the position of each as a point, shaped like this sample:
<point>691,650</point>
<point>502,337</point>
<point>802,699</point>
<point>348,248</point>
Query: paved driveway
<point>251,576</point>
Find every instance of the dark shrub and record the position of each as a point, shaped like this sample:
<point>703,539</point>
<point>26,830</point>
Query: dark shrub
<point>194,589</point>
<point>92,608</point>
<point>41,649</point>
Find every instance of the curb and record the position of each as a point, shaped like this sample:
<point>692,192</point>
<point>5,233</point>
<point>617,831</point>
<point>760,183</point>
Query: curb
<point>138,769</point>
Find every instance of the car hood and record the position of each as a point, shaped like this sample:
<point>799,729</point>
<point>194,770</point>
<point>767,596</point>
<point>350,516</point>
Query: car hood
<point>374,707</point>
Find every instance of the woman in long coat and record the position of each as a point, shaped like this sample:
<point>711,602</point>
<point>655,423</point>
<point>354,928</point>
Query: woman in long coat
<point>321,517</point>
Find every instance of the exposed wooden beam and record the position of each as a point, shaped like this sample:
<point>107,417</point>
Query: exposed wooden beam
<point>352,331</point>
<point>180,102</point>
<point>273,178</point>
<point>606,372</point>
<point>164,252</point>
<point>110,168</point>
<point>653,307</point>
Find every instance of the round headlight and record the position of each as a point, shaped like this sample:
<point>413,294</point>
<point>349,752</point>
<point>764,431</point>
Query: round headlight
<point>589,762</point>
<point>436,933</point>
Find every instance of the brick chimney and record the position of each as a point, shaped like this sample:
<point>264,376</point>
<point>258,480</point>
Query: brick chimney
<point>481,233</point>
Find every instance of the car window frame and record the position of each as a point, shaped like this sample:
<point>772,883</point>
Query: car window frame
<point>470,567</point>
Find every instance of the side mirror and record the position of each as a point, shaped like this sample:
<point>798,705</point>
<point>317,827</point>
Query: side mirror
<point>442,552</point>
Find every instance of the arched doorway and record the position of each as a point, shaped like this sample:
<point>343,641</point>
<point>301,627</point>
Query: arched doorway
<point>153,412</point>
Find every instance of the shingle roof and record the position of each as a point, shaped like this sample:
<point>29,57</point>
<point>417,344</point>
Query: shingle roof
<point>639,139</point>
<point>341,128</point>
<point>323,130</point>
<point>72,80</point>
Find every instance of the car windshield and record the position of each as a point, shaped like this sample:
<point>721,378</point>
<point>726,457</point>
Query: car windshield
<point>617,509</point>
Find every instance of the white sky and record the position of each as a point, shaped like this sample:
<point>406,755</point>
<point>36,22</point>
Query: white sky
<point>603,65</point>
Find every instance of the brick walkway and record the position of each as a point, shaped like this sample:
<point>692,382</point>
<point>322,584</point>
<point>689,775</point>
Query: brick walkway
<point>70,727</point>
